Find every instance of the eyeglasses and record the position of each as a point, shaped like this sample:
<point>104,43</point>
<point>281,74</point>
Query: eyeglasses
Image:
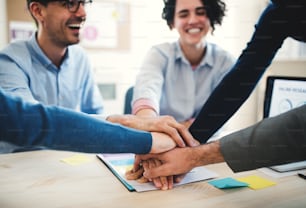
<point>74,5</point>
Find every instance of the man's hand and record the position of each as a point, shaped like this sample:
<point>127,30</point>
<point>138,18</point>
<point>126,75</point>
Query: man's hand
<point>164,124</point>
<point>181,160</point>
<point>175,162</point>
<point>163,183</point>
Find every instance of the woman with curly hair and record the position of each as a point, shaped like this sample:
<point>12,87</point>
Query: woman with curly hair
<point>177,78</point>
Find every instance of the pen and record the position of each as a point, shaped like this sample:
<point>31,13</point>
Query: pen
<point>302,176</point>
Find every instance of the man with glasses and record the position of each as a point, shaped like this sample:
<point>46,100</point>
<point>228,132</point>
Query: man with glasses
<point>50,68</point>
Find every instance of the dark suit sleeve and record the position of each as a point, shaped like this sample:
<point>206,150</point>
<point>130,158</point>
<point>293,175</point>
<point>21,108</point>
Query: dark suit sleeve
<point>274,26</point>
<point>273,141</point>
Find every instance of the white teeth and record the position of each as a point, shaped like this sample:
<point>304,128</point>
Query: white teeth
<point>194,30</point>
<point>75,25</point>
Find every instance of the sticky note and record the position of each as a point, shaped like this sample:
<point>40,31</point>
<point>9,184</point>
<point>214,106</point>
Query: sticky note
<point>76,159</point>
<point>227,183</point>
<point>256,182</point>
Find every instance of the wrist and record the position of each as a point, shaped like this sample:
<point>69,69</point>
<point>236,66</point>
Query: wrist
<point>209,153</point>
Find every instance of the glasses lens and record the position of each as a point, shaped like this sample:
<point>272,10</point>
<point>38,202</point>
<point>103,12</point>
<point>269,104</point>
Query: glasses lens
<point>74,5</point>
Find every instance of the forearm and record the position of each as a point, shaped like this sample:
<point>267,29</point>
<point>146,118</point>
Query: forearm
<point>133,121</point>
<point>207,154</point>
<point>57,128</point>
<point>239,83</point>
<point>273,141</point>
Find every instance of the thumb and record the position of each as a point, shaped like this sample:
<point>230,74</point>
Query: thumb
<point>140,158</point>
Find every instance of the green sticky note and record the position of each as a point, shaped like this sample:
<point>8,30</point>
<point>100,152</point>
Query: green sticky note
<point>256,182</point>
<point>227,183</point>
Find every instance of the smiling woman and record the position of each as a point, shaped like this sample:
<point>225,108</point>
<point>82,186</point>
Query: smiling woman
<point>191,65</point>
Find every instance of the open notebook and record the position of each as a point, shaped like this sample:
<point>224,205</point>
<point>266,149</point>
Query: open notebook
<point>284,93</point>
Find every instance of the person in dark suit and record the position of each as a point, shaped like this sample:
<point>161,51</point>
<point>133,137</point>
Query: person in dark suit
<point>280,20</point>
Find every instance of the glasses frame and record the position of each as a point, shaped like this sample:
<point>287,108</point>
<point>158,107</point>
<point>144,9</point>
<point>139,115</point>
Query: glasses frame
<point>76,4</point>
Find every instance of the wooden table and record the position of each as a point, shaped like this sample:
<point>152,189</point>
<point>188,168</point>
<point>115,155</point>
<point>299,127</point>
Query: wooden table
<point>39,179</point>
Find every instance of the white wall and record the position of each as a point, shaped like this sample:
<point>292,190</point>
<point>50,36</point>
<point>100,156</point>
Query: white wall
<point>3,24</point>
<point>147,29</point>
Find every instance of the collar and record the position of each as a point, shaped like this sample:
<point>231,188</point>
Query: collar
<point>41,56</point>
<point>207,60</point>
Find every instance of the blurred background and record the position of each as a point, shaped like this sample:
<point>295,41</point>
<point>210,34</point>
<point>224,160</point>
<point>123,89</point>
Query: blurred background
<point>118,33</point>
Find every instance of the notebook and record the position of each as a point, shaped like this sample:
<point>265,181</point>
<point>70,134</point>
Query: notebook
<point>120,163</point>
<point>284,93</point>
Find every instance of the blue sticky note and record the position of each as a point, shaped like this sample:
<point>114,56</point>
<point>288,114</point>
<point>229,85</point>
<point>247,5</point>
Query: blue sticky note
<point>227,183</point>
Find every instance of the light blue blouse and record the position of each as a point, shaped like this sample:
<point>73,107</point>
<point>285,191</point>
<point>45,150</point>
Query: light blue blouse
<point>168,80</point>
<point>25,71</point>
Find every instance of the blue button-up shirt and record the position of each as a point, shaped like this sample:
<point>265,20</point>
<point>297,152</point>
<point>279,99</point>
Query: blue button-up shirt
<point>25,71</point>
<point>167,79</point>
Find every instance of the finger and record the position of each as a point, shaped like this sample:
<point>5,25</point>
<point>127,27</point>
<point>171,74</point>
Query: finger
<point>181,134</point>
<point>179,178</point>
<point>170,182</point>
<point>188,138</point>
<point>173,132</point>
<point>186,135</point>
<point>146,167</point>
<point>162,170</point>
<point>137,163</point>
<point>134,175</point>
<point>142,180</point>
<point>163,182</point>
<point>156,181</point>
<point>146,157</point>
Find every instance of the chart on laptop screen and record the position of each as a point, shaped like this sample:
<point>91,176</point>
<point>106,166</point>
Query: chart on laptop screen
<point>286,95</point>
<point>283,94</point>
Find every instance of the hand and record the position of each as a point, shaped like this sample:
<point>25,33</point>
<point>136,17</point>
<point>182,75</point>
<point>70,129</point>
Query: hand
<point>174,162</point>
<point>163,124</point>
<point>182,160</point>
<point>161,143</point>
<point>188,122</point>
<point>163,183</point>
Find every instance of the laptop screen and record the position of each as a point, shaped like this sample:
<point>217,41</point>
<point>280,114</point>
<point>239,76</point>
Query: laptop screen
<point>283,94</point>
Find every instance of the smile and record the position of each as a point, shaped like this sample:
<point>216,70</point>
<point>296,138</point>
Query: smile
<point>194,30</point>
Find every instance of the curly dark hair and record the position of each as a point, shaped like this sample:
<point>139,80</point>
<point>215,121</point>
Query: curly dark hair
<point>215,11</point>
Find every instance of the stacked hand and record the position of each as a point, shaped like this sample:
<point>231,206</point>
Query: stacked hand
<point>167,134</point>
<point>163,124</point>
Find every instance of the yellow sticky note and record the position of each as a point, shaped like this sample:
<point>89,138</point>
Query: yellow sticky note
<point>76,160</point>
<point>256,182</point>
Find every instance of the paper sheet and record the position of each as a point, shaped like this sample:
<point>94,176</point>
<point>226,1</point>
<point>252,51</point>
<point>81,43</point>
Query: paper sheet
<point>120,163</point>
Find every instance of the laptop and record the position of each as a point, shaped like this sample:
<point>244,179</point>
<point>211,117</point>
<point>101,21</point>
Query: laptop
<point>284,93</point>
